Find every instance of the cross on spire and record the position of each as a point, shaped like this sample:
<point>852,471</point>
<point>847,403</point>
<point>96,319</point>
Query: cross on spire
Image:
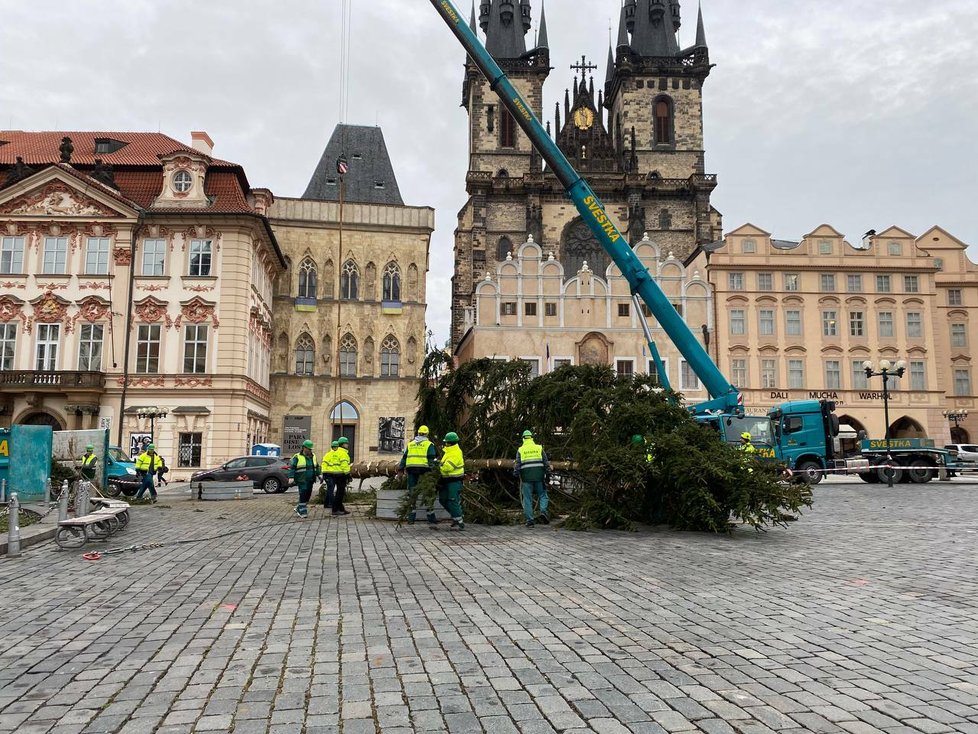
<point>583,67</point>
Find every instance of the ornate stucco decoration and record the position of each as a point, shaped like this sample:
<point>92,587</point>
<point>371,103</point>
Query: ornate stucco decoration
<point>151,310</point>
<point>57,199</point>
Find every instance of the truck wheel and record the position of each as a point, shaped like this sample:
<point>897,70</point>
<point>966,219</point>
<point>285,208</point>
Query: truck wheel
<point>810,471</point>
<point>870,477</point>
<point>884,473</point>
<point>112,489</point>
<point>920,472</point>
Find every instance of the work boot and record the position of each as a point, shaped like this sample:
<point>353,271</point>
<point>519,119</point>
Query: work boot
<point>530,523</point>
<point>457,524</point>
<point>301,511</point>
<point>543,519</point>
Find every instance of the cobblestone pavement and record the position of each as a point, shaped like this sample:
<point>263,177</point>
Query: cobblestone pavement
<point>859,618</point>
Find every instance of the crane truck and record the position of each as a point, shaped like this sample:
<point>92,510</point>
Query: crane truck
<point>802,435</point>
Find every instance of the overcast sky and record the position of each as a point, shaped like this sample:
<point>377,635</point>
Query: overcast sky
<point>856,113</point>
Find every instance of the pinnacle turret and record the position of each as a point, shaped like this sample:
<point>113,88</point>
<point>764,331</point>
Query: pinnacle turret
<point>505,23</point>
<point>543,41</point>
<point>700,29</point>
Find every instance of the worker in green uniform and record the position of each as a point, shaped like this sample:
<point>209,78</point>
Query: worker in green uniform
<point>419,458</point>
<point>147,464</point>
<point>87,463</point>
<point>342,476</point>
<point>748,450</point>
<point>452,469</point>
<point>532,467</point>
<point>303,471</point>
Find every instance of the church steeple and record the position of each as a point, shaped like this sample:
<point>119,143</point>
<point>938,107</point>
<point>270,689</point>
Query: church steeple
<point>543,41</point>
<point>700,29</point>
<point>472,18</point>
<point>655,26</point>
<point>505,23</point>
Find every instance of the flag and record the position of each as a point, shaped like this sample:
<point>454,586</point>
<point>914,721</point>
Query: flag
<point>342,165</point>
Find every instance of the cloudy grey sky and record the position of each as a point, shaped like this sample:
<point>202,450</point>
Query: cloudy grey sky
<point>858,113</point>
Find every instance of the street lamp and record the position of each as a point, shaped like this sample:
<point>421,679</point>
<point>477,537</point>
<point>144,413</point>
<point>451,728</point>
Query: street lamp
<point>955,416</point>
<point>886,370</point>
<point>152,413</point>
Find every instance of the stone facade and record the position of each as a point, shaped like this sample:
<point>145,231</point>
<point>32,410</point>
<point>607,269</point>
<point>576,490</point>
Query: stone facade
<point>135,228</point>
<point>349,323</point>
<point>529,309</point>
<point>797,320</point>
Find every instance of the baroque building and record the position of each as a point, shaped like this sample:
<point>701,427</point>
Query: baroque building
<point>796,320</point>
<point>639,143</point>
<point>349,310</point>
<point>135,273</point>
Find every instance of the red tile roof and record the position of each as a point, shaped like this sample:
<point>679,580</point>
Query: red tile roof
<point>141,149</point>
<point>137,167</point>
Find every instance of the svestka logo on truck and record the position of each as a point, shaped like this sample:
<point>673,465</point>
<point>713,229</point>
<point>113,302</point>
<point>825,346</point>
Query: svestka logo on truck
<point>601,218</point>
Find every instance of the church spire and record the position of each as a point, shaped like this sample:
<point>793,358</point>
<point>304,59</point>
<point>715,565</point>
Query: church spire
<point>654,33</point>
<point>700,29</point>
<point>472,18</point>
<point>543,41</point>
<point>505,23</point>
<point>623,25</point>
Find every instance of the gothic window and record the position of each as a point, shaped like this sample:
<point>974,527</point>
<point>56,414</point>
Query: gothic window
<point>580,244</point>
<point>329,279</point>
<point>413,293</point>
<point>504,247</point>
<point>305,353</point>
<point>507,129</point>
<point>308,278</point>
<point>665,219</point>
<point>662,109</point>
<point>392,282</point>
<point>350,281</point>
<point>390,357</point>
<point>348,356</point>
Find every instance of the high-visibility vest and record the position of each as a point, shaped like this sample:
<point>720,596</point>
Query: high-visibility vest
<point>300,461</point>
<point>452,462</point>
<point>330,460</point>
<point>342,461</point>
<point>531,454</point>
<point>417,454</point>
<point>88,459</point>
<point>149,464</point>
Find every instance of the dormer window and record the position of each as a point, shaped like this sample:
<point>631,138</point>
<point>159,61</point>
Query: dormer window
<point>182,181</point>
<point>379,185</point>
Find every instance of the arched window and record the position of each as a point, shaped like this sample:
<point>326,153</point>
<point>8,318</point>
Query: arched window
<point>305,354</point>
<point>507,129</point>
<point>392,282</point>
<point>662,109</point>
<point>504,247</point>
<point>350,281</point>
<point>308,279</point>
<point>390,357</point>
<point>348,356</point>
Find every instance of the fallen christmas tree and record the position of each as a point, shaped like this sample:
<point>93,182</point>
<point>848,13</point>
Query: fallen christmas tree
<point>586,416</point>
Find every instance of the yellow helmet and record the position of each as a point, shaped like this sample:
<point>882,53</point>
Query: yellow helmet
<point>745,436</point>
<point>423,431</point>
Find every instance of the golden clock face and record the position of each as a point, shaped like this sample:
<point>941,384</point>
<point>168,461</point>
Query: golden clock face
<point>583,118</point>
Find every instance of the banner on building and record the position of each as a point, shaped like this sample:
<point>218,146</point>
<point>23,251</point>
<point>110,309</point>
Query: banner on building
<point>391,435</point>
<point>296,429</point>
<point>138,443</point>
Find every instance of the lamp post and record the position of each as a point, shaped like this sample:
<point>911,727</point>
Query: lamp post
<point>152,413</point>
<point>954,416</point>
<point>886,370</point>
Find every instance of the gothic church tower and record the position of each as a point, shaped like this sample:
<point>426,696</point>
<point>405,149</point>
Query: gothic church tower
<point>639,144</point>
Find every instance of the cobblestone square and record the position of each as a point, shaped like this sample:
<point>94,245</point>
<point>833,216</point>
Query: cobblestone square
<point>859,618</point>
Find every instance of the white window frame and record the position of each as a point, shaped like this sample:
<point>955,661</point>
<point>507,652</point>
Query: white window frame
<point>555,359</point>
<point>767,326</point>
<point>954,297</point>
<point>788,322</point>
<point>857,322</point>
<point>8,346</point>
<point>688,380</point>
<point>652,371</point>
<point>735,281</point>
<point>196,338</point>
<point>90,348</point>
<point>792,282</point>
<point>738,316</point>
<point>55,258</point>
<point>833,374</point>
<point>830,323</point>
<point>148,336</point>
<point>959,335</point>
<point>153,257</point>
<point>765,286</point>
<point>826,282</point>
<point>97,255</point>
<point>918,375</point>
<point>11,255</point>
<point>769,373</point>
<point>183,181</point>
<point>824,247</point>
<point>962,382</point>
<point>800,372</point>
<point>739,364</point>
<point>894,249</point>
<point>911,283</point>
<point>859,379</point>
<point>46,346</point>
<point>534,363</point>
<point>890,324</point>
<point>884,283</point>
<point>915,328</point>
<point>854,283</point>
<point>199,250</point>
<point>623,361</point>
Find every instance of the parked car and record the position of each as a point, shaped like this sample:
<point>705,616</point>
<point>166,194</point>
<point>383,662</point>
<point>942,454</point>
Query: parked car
<point>268,472</point>
<point>963,452</point>
<point>121,471</point>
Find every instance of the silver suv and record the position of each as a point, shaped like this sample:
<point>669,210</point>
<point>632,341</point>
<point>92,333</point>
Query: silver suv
<point>964,452</point>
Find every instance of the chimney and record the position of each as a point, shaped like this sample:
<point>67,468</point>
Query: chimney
<point>202,141</point>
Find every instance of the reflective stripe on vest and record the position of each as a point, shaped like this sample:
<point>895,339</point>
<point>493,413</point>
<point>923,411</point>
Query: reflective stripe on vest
<point>300,461</point>
<point>531,454</point>
<point>452,462</point>
<point>88,459</point>
<point>417,454</point>
<point>342,461</point>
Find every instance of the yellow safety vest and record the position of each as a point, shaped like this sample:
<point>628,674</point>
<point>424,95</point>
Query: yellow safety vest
<point>330,461</point>
<point>300,461</point>
<point>417,454</point>
<point>452,462</point>
<point>342,461</point>
<point>88,459</point>
<point>145,463</point>
<point>531,454</point>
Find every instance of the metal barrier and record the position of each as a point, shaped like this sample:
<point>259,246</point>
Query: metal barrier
<point>13,526</point>
<point>3,490</point>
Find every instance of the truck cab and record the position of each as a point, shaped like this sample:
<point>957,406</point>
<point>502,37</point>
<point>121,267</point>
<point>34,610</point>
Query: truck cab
<point>760,428</point>
<point>806,435</point>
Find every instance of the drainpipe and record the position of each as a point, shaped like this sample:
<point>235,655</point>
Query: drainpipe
<point>128,340</point>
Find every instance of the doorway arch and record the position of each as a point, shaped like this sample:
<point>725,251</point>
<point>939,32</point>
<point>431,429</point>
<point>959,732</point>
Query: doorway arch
<point>906,427</point>
<point>345,421</point>
<point>960,435</point>
<point>851,432</point>
<point>41,418</point>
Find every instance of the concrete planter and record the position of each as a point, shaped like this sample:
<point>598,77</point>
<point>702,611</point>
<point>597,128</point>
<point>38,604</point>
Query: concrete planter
<point>388,500</point>
<point>223,490</point>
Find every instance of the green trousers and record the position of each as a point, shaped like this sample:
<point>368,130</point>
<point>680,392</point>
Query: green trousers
<point>449,497</point>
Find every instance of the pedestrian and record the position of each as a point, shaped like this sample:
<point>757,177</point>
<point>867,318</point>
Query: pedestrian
<point>161,473</point>
<point>147,464</point>
<point>342,466</point>
<point>87,463</point>
<point>419,458</point>
<point>328,472</point>
<point>533,467</point>
<point>450,487</point>
<point>647,445</point>
<point>303,470</point>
